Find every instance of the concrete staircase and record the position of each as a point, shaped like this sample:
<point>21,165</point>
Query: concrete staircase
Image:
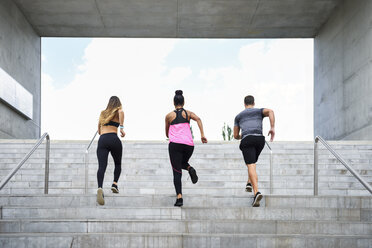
<point>217,211</point>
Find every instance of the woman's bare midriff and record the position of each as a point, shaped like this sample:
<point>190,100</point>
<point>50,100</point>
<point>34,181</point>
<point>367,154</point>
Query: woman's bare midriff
<point>110,129</point>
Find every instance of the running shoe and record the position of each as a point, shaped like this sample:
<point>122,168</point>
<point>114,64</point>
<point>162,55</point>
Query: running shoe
<point>100,197</point>
<point>257,199</point>
<point>248,188</point>
<point>114,188</point>
<point>194,177</point>
<point>179,202</point>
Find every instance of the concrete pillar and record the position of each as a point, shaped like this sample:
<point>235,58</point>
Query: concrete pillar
<point>343,73</point>
<point>20,49</point>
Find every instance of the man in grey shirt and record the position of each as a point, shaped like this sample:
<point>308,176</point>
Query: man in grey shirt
<point>252,140</point>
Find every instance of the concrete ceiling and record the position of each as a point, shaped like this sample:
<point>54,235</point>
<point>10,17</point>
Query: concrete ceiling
<point>178,18</point>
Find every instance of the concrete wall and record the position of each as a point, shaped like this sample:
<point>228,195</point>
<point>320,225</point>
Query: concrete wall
<point>343,73</point>
<point>20,49</point>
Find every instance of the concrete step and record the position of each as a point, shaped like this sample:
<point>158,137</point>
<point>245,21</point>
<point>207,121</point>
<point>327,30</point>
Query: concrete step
<point>131,186</point>
<point>218,165</point>
<point>189,190</point>
<point>272,201</point>
<point>287,154</point>
<point>186,213</point>
<point>94,212</point>
<point>187,226</point>
<point>150,191</point>
<point>165,169</point>
<point>127,201</point>
<point>168,191</point>
<point>197,158</point>
<point>210,147</point>
<point>202,240</point>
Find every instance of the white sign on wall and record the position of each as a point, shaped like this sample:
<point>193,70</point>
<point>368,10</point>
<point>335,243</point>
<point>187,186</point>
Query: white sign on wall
<point>15,95</point>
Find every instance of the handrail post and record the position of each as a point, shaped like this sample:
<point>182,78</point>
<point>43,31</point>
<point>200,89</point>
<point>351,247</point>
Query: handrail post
<point>86,171</point>
<point>271,173</point>
<point>316,166</point>
<point>86,157</point>
<point>47,153</point>
<point>271,167</point>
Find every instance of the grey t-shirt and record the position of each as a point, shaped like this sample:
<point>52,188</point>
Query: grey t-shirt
<point>250,121</point>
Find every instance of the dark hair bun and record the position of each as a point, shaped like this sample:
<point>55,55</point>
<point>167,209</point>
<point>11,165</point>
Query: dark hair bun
<point>179,92</point>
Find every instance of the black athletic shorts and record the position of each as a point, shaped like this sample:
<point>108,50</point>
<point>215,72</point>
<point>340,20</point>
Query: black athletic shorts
<point>251,146</point>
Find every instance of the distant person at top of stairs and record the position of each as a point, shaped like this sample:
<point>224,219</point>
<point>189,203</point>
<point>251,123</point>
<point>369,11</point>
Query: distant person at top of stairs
<point>181,144</point>
<point>109,121</point>
<point>249,121</point>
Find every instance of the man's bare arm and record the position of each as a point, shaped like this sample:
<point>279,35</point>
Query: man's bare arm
<point>270,113</point>
<point>236,133</point>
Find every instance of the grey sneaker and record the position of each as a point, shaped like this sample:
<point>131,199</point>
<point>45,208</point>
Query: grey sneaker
<point>100,197</point>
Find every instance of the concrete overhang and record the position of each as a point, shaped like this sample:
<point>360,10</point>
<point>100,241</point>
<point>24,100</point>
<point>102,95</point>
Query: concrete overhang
<point>178,18</point>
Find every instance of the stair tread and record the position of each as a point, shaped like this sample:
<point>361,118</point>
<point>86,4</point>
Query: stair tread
<point>184,234</point>
<point>185,220</point>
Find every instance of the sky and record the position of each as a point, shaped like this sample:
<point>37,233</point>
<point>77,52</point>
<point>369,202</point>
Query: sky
<point>79,75</point>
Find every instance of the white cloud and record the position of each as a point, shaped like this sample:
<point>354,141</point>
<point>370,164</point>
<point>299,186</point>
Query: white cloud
<point>279,73</point>
<point>131,69</point>
<point>177,75</point>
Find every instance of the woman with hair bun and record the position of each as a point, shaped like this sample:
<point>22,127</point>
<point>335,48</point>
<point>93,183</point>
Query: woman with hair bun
<point>109,121</point>
<point>181,144</point>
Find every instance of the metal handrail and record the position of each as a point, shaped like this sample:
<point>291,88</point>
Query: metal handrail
<point>91,141</point>
<point>355,174</point>
<point>86,162</point>
<point>271,167</point>
<point>47,152</point>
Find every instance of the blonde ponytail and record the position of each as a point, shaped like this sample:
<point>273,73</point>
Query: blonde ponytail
<point>111,110</point>
<point>107,115</point>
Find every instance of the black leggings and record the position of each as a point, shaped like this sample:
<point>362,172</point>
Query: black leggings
<point>179,155</point>
<point>108,142</point>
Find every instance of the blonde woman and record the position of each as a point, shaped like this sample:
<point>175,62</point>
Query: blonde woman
<point>110,119</point>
